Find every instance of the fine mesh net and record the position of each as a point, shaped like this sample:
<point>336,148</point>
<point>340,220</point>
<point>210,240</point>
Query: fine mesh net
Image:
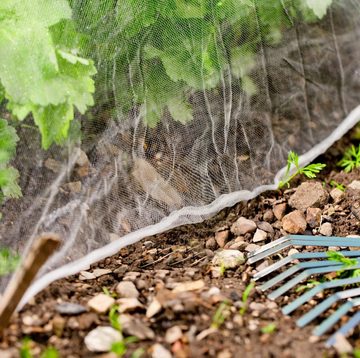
<point>197,104</point>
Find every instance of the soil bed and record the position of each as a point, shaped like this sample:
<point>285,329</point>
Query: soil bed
<point>156,266</point>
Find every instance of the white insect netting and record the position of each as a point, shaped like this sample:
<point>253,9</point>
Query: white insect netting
<point>197,104</point>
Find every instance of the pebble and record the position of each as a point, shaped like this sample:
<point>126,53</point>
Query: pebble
<point>101,303</point>
<point>159,351</point>
<point>237,245</point>
<point>135,327</point>
<point>268,216</point>
<point>342,345</point>
<point>101,339</point>
<point>260,235</point>
<point>128,304</point>
<point>294,222</point>
<point>173,334</point>
<point>355,185</point>
<point>127,289</point>
<point>337,195</point>
<point>243,226</point>
<point>280,210</point>
<point>86,275</point>
<point>154,308</point>
<point>131,276</point>
<point>222,237</point>
<point>293,252</point>
<point>313,217</point>
<point>211,244</point>
<point>326,229</point>
<point>101,272</point>
<point>228,259</point>
<point>189,286</point>
<point>263,225</point>
<point>252,247</point>
<point>53,165</point>
<point>73,187</point>
<point>309,194</point>
<point>68,308</point>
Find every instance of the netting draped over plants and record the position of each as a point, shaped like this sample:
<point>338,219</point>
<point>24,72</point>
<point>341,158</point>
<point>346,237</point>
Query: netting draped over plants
<point>132,117</point>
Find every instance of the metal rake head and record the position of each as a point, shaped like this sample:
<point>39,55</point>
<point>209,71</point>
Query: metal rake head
<point>305,265</point>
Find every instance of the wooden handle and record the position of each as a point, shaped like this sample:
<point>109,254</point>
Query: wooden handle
<point>43,247</point>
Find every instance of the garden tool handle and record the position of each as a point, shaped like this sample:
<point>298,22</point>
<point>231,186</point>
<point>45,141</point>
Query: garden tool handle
<point>42,248</point>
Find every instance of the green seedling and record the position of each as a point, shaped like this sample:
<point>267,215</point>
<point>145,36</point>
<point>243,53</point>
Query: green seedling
<point>25,350</point>
<point>120,347</point>
<point>309,285</point>
<point>335,184</point>
<point>107,292</point>
<point>309,171</point>
<point>223,269</point>
<point>351,159</point>
<point>50,353</point>
<point>270,328</point>
<point>220,315</point>
<point>245,297</point>
<point>346,261</point>
<point>114,318</point>
<point>8,261</point>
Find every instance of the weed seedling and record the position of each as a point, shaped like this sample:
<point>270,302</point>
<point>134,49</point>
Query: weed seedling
<point>220,315</point>
<point>309,284</point>
<point>335,184</point>
<point>309,171</point>
<point>351,159</point>
<point>8,261</point>
<point>346,261</point>
<point>120,347</point>
<point>270,328</point>
<point>114,318</point>
<point>245,297</point>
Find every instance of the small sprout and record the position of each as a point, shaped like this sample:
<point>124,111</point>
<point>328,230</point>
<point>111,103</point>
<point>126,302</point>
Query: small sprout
<point>221,314</point>
<point>120,347</point>
<point>335,184</point>
<point>339,257</point>
<point>114,318</point>
<point>245,297</point>
<point>351,159</point>
<point>223,269</point>
<point>8,261</point>
<point>50,353</point>
<point>108,293</point>
<point>25,349</point>
<point>310,284</point>
<point>309,171</point>
<point>270,328</point>
<point>138,353</point>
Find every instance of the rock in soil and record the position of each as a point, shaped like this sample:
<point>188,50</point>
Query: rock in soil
<point>337,195</point>
<point>154,308</point>
<point>173,334</point>
<point>259,235</point>
<point>101,339</point>
<point>313,217</point>
<point>127,289</point>
<point>354,185</point>
<point>222,237</point>
<point>326,229</point>
<point>294,222</point>
<point>159,351</point>
<point>280,210</point>
<point>309,194</point>
<point>135,327</point>
<point>101,303</point>
<point>243,226</point>
<point>68,308</point>
<point>129,304</point>
<point>229,259</point>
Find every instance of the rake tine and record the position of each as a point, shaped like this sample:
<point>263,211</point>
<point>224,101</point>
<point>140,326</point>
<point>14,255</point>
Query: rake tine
<point>317,289</point>
<point>336,316</point>
<point>352,323</point>
<point>269,246</point>
<point>299,256</point>
<point>295,268</point>
<point>323,306</point>
<point>307,273</point>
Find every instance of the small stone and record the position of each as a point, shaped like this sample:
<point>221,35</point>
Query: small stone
<point>294,222</point>
<point>68,308</point>
<point>9,353</point>
<point>173,334</point>
<point>228,258</point>
<point>135,327</point>
<point>260,235</point>
<point>326,229</point>
<point>243,226</point>
<point>268,216</point>
<point>58,325</point>
<point>101,303</point>
<point>355,210</point>
<point>211,244</point>
<point>337,195</point>
<point>313,217</point>
<point>189,286</point>
<point>237,245</point>
<point>224,354</point>
<point>73,187</point>
<point>101,272</point>
<point>263,225</point>
<point>222,237</point>
<point>53,165</point>
<point>154,308</point>
<point>128,304</point>
<point>101,339</point>
<point>159,351</point>
<point>309,194</point>
<point>161,274</point>
<point>252,247</point>
<point>354,185</point>
<point>293,252</point>
<point>82,158</point>
<point>127,289</point>
<point>280,210</point>
<point>342,345</point>
<point>131,276</point>
<point>86,275</point>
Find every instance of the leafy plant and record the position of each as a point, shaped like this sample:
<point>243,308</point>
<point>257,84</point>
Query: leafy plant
<point>220,315</point>
<point>309,284</point>
<point>162,51</point>
<point>25,350</point>
<point>346,261</point>
<point>351,159</point>
<point>270,328</point>
<point>309,171</point>
<point>337,185</point>
<point>108,293</point>
<point>120,347</point>
<point>8,261</point>
<point>114,317</point>
<point>245,297</point>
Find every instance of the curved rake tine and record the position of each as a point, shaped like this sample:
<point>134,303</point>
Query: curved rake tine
<point>300,240</point>
<point>324,305</point>
<point>292,270</point>
<point>299,256</point>
<point>348,326</point>
<point>306,274</point>
<point>307,296</point>
<point>336,316</point>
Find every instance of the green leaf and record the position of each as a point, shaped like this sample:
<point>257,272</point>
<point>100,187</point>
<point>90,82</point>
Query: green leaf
<point>8,261</point>
<point>319,7</point>
<point>8,140</point>
<point>8,182</point>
